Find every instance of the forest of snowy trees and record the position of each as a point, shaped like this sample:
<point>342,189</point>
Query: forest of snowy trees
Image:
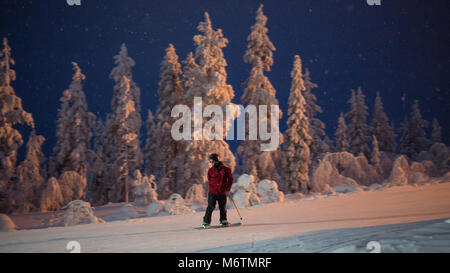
<point>97,160</point>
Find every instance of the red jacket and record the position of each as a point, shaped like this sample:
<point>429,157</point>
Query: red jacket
<point>220,179</point>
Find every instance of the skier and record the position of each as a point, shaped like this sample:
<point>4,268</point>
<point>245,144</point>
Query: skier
<point>220,180</point>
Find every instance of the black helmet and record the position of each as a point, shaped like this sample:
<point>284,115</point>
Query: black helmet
<point>214,157</point>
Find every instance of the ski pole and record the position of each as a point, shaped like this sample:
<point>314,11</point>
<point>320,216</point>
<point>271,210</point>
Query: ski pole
<point>229,194</point>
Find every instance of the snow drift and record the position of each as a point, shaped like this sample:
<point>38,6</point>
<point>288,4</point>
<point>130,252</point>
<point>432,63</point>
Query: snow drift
<point>77,212</point>
<point>6,224</point>
<point>175,205</point>
<point>249,192</point>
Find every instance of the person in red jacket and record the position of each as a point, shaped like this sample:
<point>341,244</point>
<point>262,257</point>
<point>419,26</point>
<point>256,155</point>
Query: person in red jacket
<point>220,180</point>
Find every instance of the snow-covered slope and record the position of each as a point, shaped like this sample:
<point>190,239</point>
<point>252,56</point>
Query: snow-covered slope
<point>418,237</point>
<point>294,217</point>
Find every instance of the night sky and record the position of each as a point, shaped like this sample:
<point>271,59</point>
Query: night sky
<point>400,48</point>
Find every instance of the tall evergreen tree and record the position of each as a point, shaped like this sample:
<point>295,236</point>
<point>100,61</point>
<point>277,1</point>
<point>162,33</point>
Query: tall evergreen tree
<point>297,138</point>
<point>115,147</point>
<point>98,169</point>
<point>381,127</point>
<point>417,135</point>
<point>11,114</point>
<point>405,141</point>
<point>74,130</point>
<point>169,151</point>
<point>341,134</point>
<point>436,132</point>
<point>259,91</point>
<point>316,126</point>
<point>126,139</point>
<point>260,48</point>
<point>358,128</point>
<point>209,83</point>
<point>30,176</point>
<point>124,66</point>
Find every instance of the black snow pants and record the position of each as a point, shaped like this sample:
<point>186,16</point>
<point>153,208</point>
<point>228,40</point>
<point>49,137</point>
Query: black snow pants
<point>212,199</point>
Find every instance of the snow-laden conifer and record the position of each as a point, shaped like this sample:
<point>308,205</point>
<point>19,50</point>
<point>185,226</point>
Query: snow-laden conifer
<point>208,83</point>
<point>357,125</point>
<point>11,114</point>
<point>381,128</point>
<point>74,129</point>
<point>341,135</point>
<point>297,138</point>
<point>30,176</point>
<point>260,91</point>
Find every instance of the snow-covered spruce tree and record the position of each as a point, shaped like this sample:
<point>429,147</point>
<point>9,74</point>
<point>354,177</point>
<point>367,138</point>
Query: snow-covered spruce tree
<point>169,152</point>
<point>259,45</point>
<point>405,141</point>
<point>297,138</point>
<point>74,130</point>
<point>436,132</point>
<point>209,83</point>
<point>342,143</point>
<point>98,167</point>
<point>316,126</point>
<point>11,114</point>
<point>126,140</point>
<point>30,177</point>
<point>259,91</point>
<point>417,135</point>
<point>124,65</point>
<point>357,127</point>
<point>381,127</point>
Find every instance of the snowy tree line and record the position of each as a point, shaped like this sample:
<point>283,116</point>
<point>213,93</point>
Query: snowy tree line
<point>97,160</point>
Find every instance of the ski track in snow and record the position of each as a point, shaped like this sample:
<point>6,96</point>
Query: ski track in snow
<point>398,218</point>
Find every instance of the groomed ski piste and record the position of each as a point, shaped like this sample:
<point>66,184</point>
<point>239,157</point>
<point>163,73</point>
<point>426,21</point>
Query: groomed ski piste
<point>409,218</point>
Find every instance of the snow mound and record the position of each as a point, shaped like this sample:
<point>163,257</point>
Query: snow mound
<point>244,199</point>
<point>51,198</point>
<point>268,191</point>
<point>128,211</point>
<point>196,197</point>
<point>78,212</point>
<point>155,208</point>
<point>439,154</point>
<point>356,168</point>
<point>245,192</point>
<point>327,172</point>
<point>403,174</point>
<point>175,205</point>
<point>246,183</point>
<point>346,188</point>
<point>6,224</point>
